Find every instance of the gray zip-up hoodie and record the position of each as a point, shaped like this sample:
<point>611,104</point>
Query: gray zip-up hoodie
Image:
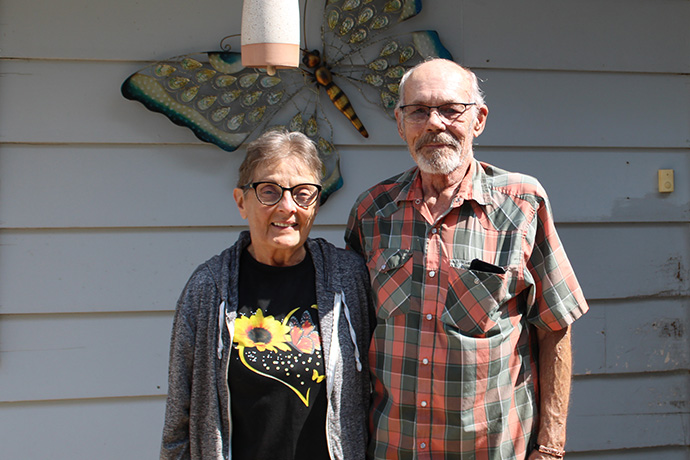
<point>198,423</point>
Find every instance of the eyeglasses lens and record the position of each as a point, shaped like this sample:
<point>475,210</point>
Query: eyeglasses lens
<point>268,194</point>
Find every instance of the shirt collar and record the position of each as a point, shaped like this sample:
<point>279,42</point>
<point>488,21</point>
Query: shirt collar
<point>480,189</point>
<point>410,186</point>
<point>474,186</point>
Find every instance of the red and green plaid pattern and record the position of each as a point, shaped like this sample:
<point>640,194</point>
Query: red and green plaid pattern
<point>453,357</point>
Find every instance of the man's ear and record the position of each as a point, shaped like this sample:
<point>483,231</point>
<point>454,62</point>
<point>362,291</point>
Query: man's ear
<point>480,121</point>
<point>399,121</point>
<point>238,195</point>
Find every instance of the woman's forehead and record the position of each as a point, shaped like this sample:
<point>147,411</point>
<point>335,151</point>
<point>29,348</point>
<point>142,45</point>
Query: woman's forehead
<point>292,167</point>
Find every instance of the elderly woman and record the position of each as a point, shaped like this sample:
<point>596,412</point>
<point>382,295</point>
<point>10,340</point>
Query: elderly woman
<point>268,356</point>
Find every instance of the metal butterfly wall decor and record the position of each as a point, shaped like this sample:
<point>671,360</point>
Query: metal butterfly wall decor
<point>223,102</point>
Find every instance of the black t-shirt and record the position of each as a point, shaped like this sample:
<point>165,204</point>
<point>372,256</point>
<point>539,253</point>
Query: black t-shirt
<point>276,374</point>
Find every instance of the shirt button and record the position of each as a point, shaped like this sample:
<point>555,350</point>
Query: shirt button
<point>432,273</point>
<point>423,403</point>
<point>422,445</point>
<point>417,201</point>
<point>383,266</point>
<point>429,316</point>
<point>425,361</point>
<point>434,231</point>
<point>476,281</point>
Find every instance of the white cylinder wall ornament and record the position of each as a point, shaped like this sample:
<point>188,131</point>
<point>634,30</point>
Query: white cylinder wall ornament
<point>270,33</point>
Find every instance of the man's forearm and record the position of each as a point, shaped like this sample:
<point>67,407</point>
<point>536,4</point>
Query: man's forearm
<point>555,372</point>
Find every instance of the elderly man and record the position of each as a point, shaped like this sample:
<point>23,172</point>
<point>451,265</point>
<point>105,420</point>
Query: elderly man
<point>471,353</point>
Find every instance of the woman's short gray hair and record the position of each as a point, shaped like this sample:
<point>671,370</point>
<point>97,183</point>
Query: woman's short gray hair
<point>278,145</point>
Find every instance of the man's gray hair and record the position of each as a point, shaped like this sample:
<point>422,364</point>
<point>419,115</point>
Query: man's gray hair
<point>477,93</point>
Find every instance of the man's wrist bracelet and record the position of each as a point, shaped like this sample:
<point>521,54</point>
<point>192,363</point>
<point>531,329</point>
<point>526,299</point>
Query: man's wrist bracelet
<point>551,451</point>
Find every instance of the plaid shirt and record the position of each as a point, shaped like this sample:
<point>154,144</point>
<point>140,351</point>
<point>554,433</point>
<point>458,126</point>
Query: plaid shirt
<point>454,352</point>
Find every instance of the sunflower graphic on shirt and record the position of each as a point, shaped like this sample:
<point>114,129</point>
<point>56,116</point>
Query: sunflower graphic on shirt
<point>262,338</point>
<point>262,332</point>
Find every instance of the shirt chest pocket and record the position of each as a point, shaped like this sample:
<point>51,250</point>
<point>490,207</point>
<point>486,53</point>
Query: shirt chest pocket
<point>477,301</point>
<point>391,280</point>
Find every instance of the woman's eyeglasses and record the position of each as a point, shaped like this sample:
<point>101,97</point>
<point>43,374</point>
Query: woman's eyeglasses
<point>270,193</point>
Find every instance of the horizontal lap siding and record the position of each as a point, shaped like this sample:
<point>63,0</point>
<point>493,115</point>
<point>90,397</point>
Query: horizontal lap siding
<point>551,108</point>
<point>84,356</point>
<point>109,270</point>
<point>627,336</point>
<point>124,354</point>
<point>121,357</point>
<point>106,429</point>
<point>79,429</point>
<point>191,185</point>
<point>631,411</point>
<point>106,208</point>
<point>608,36</point>
<point>64,271</point>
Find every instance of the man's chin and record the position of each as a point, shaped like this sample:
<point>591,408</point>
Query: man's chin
<point>445,167</point>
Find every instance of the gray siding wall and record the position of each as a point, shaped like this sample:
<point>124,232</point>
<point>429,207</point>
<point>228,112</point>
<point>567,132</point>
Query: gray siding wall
<point>106,208</point>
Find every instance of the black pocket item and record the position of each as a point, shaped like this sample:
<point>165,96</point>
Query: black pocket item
<point>481,266</point>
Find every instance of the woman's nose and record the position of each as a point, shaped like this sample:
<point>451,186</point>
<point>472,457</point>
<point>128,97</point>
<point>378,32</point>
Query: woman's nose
<point>287,202</point>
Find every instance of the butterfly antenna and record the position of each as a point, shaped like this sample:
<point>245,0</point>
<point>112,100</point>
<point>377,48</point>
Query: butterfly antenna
<point>304,24</point>
<point>226,46</point>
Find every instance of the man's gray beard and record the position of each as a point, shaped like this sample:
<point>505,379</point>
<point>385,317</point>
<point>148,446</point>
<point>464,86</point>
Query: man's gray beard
<point>439,164</point>
<point>444,161</point>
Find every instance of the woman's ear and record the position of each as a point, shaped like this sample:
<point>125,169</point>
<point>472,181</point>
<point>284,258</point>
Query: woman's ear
<point>238,195</point>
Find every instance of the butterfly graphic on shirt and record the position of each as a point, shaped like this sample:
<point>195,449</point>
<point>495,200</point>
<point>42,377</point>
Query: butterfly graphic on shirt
<point>288,351</point>
<point>223,102</point>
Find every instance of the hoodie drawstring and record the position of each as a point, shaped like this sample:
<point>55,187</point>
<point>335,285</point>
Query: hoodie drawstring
<point>221,324</point>
<point>353,335</point>
<point>339,303</point>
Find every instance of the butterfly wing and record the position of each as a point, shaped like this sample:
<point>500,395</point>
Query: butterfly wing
<point>350,24</point>
<point>212,94</point>
<point>357,45</point>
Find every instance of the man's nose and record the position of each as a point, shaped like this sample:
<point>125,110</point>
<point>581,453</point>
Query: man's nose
<point>435,120</point>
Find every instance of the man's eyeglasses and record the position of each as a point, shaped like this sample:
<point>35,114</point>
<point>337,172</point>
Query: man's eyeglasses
<point>420,113</point>
<point>270,193</point>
